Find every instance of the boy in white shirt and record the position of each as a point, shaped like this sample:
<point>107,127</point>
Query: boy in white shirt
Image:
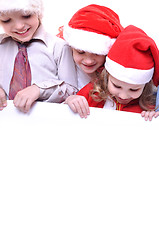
<point>53,74</point>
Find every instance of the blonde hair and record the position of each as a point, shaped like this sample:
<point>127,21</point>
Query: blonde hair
<point>100,92</point>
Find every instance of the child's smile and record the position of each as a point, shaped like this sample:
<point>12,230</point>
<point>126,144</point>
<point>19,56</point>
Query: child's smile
<point>23,32</point>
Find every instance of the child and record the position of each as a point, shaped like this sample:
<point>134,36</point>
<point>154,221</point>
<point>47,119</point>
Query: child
<point>157,100</point>
<point>91,32</point>
<point>131,65</point>
<point>48,73</point>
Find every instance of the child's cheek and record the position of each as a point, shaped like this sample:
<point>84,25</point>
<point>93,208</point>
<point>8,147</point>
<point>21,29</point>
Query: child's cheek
<point>111,89</point>
<point>136,95</point>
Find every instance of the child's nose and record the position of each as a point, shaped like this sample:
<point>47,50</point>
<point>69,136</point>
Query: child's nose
<point>19,25</point>
<point>123,95</point>
<point>89,60</point>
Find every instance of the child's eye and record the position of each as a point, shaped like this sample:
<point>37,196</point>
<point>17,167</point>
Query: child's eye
<point>134,90</point>
<point>80,52</point>
<point>27,16</point>
<point>116,86</point>
<point>6,21</point>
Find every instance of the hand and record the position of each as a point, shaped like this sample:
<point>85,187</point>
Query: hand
<point>26,97</point>
<point>3,99</point>
<point>148,115</point>
<point>78,104</point>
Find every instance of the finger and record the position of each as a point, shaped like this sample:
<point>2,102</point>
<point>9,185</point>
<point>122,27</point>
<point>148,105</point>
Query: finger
<point>73,107</point>
<point>85,108</point>
<point>20,102</point>
<point>79,105</point>
<point>151,115</point>
<point>79,108</point>
<point>3,99</point>
<point>156,114</point>
<point>143,113</point>
<point>82,107</point>
<point>16,100</point>
<point>28,105</point>
<point>3,103</point>
<point>146,116</point>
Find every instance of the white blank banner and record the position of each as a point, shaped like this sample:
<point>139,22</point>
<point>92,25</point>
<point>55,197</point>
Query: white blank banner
<point>63,177</point>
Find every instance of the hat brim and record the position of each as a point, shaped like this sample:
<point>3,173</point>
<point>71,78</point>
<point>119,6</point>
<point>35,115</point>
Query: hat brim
<point>88,41</point>
<point>128,75</point>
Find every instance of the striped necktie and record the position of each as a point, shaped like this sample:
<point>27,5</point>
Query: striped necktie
<point>22,73</point>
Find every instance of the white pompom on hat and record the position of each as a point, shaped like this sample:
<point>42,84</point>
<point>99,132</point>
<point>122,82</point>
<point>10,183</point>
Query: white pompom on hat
<point>29,6</point>
<point>93,29</point>
<point>134,57</point>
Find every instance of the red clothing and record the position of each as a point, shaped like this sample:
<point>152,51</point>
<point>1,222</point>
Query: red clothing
<point>133,106</point>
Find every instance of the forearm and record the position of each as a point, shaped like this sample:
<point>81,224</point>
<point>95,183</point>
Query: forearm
<point>57,93</point>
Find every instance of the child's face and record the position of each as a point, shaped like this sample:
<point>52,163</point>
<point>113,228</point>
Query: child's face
<point>124,92</point>
<point>88,62</point>
<point>20,26</point>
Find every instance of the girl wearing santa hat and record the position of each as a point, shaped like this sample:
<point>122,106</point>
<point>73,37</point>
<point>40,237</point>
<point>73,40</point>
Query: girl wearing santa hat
<point>126,84</point>
<point>48,73</point>
<point>91,32</point>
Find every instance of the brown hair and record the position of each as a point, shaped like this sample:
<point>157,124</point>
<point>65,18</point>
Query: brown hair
<point>100,92</point>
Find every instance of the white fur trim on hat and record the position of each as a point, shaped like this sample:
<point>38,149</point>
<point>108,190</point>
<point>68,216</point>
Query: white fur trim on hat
<point>128,75</point>
<point>31,6</point>
<point>88,41</point>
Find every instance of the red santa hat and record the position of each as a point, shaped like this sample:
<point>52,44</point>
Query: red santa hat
<point>29,6</point>
<point>134,57</point>
<point>93,29</point>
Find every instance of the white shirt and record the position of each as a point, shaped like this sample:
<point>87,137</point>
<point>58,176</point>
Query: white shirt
<point>51,62</point>
<point>110,104</point>
<point>83,78</point>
